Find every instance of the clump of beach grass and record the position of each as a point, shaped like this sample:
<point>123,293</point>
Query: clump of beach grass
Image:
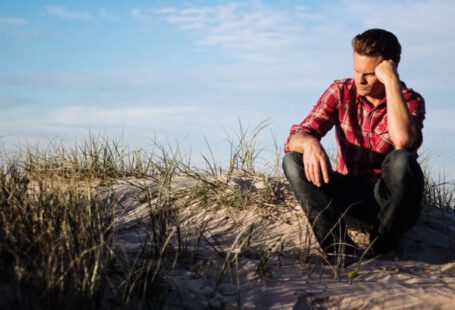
<point>58,228</point>
<point>57,232</point>
<point>55,243</point>
<point>439,192</point>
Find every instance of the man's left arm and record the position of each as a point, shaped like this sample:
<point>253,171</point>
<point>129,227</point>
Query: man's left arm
<point>402,128</point>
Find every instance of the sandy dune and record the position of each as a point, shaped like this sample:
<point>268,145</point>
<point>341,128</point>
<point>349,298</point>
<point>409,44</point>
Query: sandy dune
<point>263,255</point>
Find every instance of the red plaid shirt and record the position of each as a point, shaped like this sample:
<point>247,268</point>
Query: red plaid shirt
<point>361,129</point>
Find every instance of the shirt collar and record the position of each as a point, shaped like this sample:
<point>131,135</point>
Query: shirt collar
<point>362,100</point>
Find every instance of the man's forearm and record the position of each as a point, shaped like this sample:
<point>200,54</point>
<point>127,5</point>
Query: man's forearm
<point>298,141</point>
<point>401,128</point>
<point>399,120</point>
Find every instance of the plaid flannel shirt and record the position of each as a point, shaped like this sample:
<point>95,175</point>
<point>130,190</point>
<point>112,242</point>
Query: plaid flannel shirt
<point>361,129</point>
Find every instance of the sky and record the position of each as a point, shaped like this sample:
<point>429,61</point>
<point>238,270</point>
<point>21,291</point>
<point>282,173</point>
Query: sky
<point>187,72</point>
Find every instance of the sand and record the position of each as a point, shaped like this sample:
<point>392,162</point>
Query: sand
<point>263,255</point>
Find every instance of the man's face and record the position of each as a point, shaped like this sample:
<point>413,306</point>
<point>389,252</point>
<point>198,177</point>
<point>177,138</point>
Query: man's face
<point>366,82</point>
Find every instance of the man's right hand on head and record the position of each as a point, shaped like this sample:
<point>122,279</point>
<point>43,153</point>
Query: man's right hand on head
<point>316,162</point>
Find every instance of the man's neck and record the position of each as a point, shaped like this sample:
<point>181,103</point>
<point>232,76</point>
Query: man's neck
<point>375,101</point>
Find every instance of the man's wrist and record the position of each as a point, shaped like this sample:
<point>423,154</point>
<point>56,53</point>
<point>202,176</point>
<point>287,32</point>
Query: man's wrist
<point>392,81</point>
<point>309,142</point>
<point>300,141</point>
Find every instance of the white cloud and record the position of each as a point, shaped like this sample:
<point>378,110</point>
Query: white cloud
<point>194,18</point>
<point>11,23</point>
<point>117,117</point>
<point>230,26</point>
<point>18,28</point>
<point>67,14</point>
<point>317,39</point>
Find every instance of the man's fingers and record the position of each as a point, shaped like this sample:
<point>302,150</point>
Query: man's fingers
<point>311,173</point>
<point>316,170</point>
<point>325,170</point>
<point>306,165</point>
<point>317,174</point>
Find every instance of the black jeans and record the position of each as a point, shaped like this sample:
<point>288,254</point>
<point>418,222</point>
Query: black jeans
<point>386,209</point>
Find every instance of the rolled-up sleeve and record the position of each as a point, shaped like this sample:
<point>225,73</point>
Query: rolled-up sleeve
<point>321,118</point>
<point>416,106</point>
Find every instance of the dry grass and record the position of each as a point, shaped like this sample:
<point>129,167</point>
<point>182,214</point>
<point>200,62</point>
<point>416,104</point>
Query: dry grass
<point>58,228</point>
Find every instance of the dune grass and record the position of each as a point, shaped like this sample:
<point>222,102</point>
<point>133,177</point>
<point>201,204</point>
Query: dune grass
<point>57,220</point>
<point>55,242</point>
<point>439,192</point>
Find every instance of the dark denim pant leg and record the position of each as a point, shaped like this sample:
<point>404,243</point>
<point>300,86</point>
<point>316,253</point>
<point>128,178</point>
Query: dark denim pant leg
<point>398,193</point>
<point>318,204</point>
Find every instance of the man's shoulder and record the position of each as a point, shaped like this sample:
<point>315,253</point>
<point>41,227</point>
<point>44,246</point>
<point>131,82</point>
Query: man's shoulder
<point>344,87</point>
<point>410,93</point>
<point>347,82</point>
<point>343,84</point>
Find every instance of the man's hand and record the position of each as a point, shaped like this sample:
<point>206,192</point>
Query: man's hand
<point>386,71</point>
<point>315,159</point>
<point>316,162</point>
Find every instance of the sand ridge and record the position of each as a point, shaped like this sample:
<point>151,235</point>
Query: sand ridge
<point>259,256</point>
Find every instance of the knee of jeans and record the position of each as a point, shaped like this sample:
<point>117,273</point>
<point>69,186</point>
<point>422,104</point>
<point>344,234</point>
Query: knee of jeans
<point>398,161</point>
<point>293,165</point>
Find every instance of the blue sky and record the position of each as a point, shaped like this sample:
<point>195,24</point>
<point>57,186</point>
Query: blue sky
<point>185,70</point>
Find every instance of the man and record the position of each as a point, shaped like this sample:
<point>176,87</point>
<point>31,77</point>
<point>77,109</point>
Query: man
<point>378,123</point>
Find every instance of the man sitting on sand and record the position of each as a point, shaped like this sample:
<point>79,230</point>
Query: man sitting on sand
<point>378,123</point>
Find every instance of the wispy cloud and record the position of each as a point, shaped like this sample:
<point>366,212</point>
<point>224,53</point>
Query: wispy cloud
<point>231,26</point>
<point>11,23</point>
<point>67,14</point>
<point>318,37</point>
<point>64,13</point>
<point>18,27</point>
<point>116,117</point>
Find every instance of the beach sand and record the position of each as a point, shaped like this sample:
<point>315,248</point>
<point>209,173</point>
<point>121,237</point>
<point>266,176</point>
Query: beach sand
<point>263,256</point>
